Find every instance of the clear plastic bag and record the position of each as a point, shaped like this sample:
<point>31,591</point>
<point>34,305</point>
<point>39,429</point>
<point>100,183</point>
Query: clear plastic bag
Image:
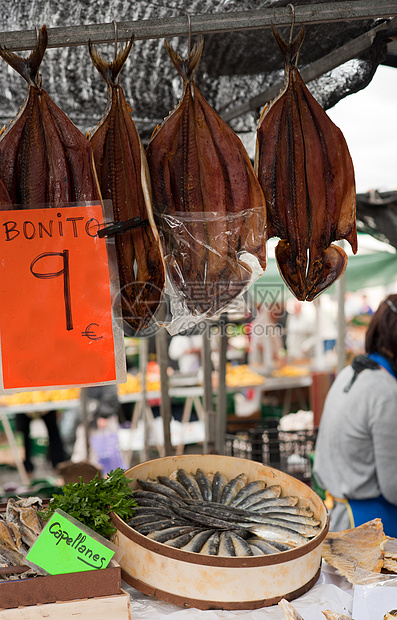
<point>211,260</point>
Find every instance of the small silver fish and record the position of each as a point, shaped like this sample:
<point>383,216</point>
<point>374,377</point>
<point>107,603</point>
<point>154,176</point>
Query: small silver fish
<point>160,489</point>
<point>226,546</point>
<point>254,498</point>
<point>309,531</point>
<point>280,509</point>
<point>296,518</point>
<point>278,534</point>
<point>267,502</point>
<point>146,528</point>
<point>241,546</point>
<point>183,539</point>
<point>211,547</point>
<point>218,483</point>
<point>163,511</point>
<point>198,541</point>
<point>153,498</point>
<point>265,547</point>
<point>169,533</point>
<point>175,485</point>
<point>205,485</point>
<point>232,488</point>
<point>143,519</point>
<point>190,484</point>
<point>248,489</point>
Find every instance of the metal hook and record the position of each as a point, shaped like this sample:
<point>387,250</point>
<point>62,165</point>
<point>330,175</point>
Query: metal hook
<point>291,6</point>
<point>189,22</point>
<point>115,37</point>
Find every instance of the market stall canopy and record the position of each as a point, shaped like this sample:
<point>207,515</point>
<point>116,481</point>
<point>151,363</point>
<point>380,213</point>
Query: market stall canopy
<point>240,69</point>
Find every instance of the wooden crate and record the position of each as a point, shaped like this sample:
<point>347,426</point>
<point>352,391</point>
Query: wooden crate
<point>100,608</point>
<point>55,588</point>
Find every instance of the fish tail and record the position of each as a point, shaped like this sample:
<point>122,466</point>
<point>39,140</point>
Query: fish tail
<point>186,66</point>
<point>110,70</point>
<point>289,50</point>
<point>28,67</point>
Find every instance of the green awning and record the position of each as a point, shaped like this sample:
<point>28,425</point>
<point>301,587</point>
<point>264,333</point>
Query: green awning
<point>362,271</point>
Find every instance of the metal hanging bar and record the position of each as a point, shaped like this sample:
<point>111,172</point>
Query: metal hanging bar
<point>210,23</point>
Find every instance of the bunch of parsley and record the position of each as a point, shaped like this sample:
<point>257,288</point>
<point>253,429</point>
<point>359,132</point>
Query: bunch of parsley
<point>91,502</point>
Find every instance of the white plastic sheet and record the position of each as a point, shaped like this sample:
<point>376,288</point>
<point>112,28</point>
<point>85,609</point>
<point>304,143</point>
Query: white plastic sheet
<point>330,592</point>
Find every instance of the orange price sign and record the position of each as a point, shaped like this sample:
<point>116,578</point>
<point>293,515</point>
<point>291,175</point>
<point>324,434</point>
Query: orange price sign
<point>56,322</point>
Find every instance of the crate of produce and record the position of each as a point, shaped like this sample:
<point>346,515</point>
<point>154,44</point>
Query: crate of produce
<point>288,451</point>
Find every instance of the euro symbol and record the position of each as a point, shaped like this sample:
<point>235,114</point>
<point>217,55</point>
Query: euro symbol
<point>89,333</point>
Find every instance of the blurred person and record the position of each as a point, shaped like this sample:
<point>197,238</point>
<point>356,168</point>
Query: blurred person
<point>266,346</point>
<point>186,351</point>
<point>356,450</point>
<point>365,307</point>
<point>103,422</point>
<point>56,452</point>
<point>301,329</point>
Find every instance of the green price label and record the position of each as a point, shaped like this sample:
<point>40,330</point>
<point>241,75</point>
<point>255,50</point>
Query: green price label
<point>64,547</point>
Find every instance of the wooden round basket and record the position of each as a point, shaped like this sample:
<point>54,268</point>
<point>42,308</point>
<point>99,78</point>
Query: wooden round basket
<point>216,582</point>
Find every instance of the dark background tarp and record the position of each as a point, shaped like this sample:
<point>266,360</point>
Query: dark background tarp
<point>234,66</point>
<point>377,215</point>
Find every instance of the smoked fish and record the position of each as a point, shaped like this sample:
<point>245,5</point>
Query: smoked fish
<point>208,203</point>
<point>124,178</point>
<point>307,175</point>
<point>44,158</point>
<point>5,200</point>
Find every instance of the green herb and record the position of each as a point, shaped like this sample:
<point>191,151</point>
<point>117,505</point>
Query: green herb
<point>91,502</point>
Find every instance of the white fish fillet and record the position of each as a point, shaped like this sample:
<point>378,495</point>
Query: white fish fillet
<point>289,611</point>
<point>357,552</point>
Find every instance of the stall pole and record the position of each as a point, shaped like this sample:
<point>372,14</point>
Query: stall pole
<point>84,414</point>
<point>209,419</point>
<point>221,400</point>
<point>165,405</point>
<point>13,445</point>
<point>341,322</point>
<point>319,343</point>
<point>143,359</point>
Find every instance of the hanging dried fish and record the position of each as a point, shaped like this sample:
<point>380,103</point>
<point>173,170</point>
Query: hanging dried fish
<point>5,200</point>
<point>207,199</point>
<point>124,178</point>
<point>306,173</point>
<point>44,158</point>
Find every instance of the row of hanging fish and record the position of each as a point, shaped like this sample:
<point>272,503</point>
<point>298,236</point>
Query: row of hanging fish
<point>209,514</point>
<point>204,212</point>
